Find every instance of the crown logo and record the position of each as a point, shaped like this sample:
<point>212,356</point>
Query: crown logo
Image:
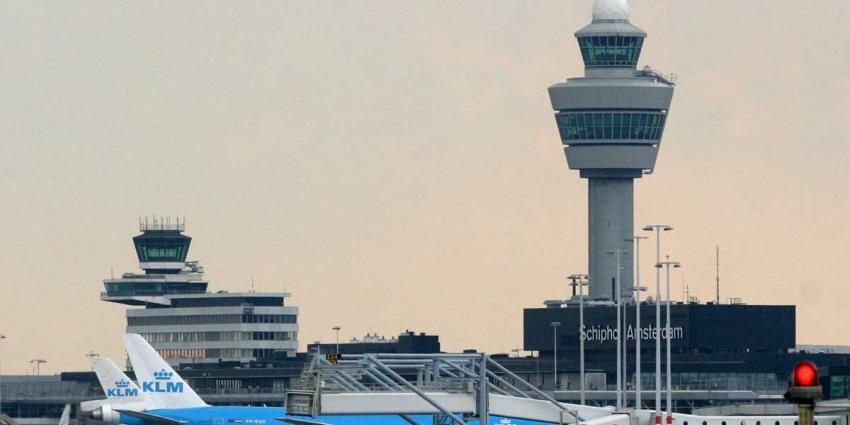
<point>505,421</point>
<point>122,383</point>
<point>163,375</point>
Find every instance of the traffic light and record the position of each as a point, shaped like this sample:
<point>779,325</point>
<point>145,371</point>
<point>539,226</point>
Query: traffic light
<point>805,385</point>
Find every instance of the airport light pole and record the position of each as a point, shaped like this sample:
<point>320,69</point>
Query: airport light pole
<point>668,337</point>
<point>554,326</point>
<point>2,337</point>
<point>38,363</point>
<point>638,290</point>
<point>657,228</point>
<point>580,280</point>
<point>91,354</point>
<point>337,328</point>
<point>623,349</point>
<point>618,290</point>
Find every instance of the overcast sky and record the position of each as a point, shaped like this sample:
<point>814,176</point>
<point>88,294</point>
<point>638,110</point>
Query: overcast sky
<point>396,165</point>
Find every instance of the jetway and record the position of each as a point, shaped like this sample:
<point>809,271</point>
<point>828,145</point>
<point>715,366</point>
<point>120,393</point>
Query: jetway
<point>459,387</point>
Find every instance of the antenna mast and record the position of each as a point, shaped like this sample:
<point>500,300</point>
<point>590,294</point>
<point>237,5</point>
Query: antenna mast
<point>717,274</point>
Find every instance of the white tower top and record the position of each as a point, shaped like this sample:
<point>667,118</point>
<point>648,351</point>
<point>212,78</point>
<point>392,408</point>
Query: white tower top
<point>611,10</point>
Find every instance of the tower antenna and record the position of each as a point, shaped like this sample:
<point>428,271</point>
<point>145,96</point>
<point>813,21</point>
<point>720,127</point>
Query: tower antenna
<point>717,274</point>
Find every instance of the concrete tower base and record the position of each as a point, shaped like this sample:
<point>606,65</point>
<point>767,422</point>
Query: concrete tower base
<point>611,224</point>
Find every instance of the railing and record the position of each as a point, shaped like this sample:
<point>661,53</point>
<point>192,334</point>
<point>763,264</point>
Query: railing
<point>647,71</point>
<point>423,374</point>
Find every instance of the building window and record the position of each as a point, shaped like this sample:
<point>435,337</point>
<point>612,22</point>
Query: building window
<point>269,318</point>
<point>614,125</point>
<point>197,319</point>
<point>610,52</point>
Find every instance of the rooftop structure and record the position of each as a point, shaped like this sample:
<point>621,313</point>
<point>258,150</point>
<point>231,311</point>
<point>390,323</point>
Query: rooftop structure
<point>610,123</point>
<point>408,342</point>
<point>161,249</point>
<point>184,322</point>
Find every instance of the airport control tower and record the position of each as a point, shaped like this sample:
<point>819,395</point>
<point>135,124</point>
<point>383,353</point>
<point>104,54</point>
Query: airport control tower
<point>611,122</point>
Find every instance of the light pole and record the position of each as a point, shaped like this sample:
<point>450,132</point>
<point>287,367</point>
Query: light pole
<point>618,290</point>
<point>624,347</point>
<point>639,336</point>
<point>580,280</point>
<point>337,328</point>
<point>38,363</point>
<point>554,326</point>
<point>657,228</point>
<point>91,354</point>
<point>668,337</point>
<point>2,337</point>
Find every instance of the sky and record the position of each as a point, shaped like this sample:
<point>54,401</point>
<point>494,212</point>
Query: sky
<point>395,164</point>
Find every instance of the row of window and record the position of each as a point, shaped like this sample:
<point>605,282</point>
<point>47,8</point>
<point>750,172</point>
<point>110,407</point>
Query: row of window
<point>610,52</point>
<point>719,381</point>
<point>165,337</point>
<point>269,318</point>
<point>610,125</point>
<point>167,251</point>
<point>273,336</point>
<point>262,353</point>
<point>205,353</point>
<point>210,319</point>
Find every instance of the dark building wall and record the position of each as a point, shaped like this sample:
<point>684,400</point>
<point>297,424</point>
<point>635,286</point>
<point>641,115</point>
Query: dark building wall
<point>696,328</point>
<point>407,343</point>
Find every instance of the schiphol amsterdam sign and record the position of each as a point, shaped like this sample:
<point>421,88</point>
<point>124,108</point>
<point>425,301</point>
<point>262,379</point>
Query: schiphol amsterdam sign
<point>601,335</point>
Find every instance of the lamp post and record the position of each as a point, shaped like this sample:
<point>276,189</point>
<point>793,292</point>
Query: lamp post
<point>657,228</point>
<point>2,337</point>
<point>618,290</point>
<point>337,328</point>
<point>91,354</point>
<point>580,280</point>
<point>668,337</point>
<point>554,326</point>
<point>639,333</point>
<point>639,336</point>
<point>38,363</point>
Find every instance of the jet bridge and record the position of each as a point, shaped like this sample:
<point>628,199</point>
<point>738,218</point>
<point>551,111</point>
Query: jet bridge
<point>456,388</point>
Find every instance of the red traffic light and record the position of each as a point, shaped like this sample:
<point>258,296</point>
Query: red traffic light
<point>805,374</point>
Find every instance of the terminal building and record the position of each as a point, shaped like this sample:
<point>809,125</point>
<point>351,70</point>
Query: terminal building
<point>187,324</point>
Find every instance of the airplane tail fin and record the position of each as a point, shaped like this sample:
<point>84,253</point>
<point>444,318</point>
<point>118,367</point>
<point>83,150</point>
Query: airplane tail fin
<point>66,415</point>
<point>116,385</point>
<point>156,377</point>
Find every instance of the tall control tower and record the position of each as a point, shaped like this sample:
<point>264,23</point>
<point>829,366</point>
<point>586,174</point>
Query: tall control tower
<point>611,122</point>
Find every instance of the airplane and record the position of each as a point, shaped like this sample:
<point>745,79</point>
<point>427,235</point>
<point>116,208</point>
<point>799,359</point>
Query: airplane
<point>65,419</point>
<point>118,388</point>
<point>121,393</point>
<point>173,402</point>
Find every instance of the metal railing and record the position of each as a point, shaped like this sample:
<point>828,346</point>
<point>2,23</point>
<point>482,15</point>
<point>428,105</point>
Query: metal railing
<point>422,374</point>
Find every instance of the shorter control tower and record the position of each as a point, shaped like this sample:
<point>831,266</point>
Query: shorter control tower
<point>161,249</point>
<point>611,122</point>
<point>187,324</point>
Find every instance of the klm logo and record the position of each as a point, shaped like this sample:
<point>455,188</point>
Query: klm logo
<point>122,390</point>
<point>162,383</point>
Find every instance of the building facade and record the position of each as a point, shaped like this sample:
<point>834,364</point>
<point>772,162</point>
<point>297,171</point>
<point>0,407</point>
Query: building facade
<point>187,324</point>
